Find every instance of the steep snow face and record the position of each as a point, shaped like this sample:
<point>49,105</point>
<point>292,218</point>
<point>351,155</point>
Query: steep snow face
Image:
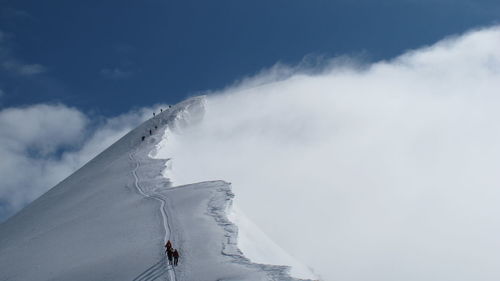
<point>91,226</point>
<point>94,225</point>
<point>259,248</point>
<point>385,173</point>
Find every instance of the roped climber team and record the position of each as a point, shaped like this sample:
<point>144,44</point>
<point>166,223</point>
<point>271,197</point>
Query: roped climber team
<point>172,254</point>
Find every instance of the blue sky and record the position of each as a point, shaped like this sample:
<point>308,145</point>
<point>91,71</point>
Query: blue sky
<point>110,56</point>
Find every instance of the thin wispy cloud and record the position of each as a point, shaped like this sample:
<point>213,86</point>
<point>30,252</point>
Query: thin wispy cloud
<point>10,64</point>
<point>15,14</point>
<point>19,68</point>
<point>115,73</point>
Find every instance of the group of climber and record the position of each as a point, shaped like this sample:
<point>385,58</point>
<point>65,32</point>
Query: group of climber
<point>150,133</point>
<point>161,110</point>
<point>156,127</point>
<point>172,254</point>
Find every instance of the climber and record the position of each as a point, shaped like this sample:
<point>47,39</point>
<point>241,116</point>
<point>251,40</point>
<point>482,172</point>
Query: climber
<point>143,137</point>
<point>176,257</point>
<point>169,255</point>
<point>168,246</point>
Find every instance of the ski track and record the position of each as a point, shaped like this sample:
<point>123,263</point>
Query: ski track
<point>166,225</point>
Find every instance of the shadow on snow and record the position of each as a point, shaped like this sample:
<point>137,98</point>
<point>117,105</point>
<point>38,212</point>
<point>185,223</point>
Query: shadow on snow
<point>154,271</point>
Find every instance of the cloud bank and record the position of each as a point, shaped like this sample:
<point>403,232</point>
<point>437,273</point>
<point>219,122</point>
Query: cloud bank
<point>383,172</point>
<point>42,144</point>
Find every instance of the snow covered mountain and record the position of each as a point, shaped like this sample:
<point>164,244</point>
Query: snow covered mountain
<point>111,218</point>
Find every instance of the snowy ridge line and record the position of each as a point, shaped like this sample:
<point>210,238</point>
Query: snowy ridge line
<point>164,214</point>
<point>218,205</point>
<point>174,117</point>
<point>165,220</point>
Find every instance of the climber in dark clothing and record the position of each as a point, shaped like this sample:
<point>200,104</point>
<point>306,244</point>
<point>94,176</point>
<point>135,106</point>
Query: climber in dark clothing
<point>143,137</point>
<point>156,127</point>
<point>150,132</point>
<point>168,246</point>
<point>161,109</point>
<point>169,251</point>
<point>170,255</point>
<point>176,257</point>
<point>153,114</point>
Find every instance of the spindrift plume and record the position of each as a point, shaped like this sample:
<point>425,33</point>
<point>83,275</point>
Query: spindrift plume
<point>383,172</point>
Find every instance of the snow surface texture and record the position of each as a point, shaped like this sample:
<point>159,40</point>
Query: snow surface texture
<point>111,218</point>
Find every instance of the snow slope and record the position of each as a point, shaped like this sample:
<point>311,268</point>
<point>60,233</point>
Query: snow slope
<point>111,218</point>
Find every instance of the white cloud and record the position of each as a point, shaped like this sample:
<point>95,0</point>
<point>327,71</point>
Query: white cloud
<point>388,172</point>
<point>42,128</point>
<point>42,144</point>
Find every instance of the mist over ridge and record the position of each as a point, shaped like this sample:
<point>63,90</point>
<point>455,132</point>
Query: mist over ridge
<point>385,172</point>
